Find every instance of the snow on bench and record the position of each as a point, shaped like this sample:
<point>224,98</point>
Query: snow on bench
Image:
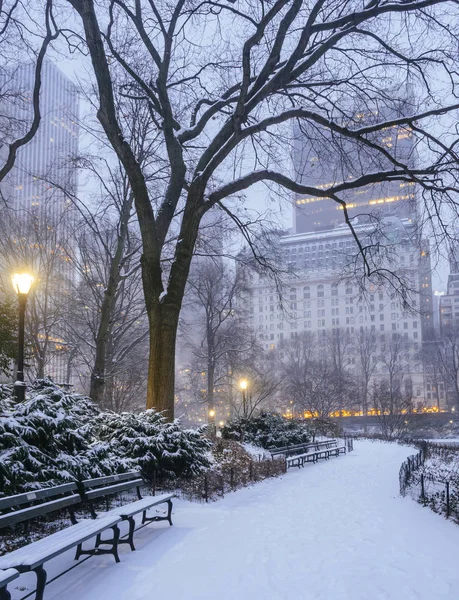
<point>138,506</point>
<point>29,557</point>
<point>303,448</point>
<point>95,489</point>
<point>300,459</point>
<point>5,578</point>
<point>25,507</point>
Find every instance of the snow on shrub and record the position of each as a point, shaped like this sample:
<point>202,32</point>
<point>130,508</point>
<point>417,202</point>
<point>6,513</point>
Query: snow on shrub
<point>153,444</point>
<point>56,436</point>
<point>42,441</point>
<point>267,430</point>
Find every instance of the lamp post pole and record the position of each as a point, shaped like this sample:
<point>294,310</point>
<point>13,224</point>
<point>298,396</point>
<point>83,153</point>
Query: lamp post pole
<point>19,386</point>
<point>21,283</point>
<point>243,384</point>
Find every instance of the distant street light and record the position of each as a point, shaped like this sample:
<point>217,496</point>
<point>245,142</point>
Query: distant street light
<point>22,283</point>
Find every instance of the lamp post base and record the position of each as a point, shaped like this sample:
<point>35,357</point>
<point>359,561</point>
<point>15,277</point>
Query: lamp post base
<point>19,391</point>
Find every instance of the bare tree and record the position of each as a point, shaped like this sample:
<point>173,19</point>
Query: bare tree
<point>217,328</point>
<point>393,408</point>
<point>340,352</point>
<point>367,359</point>
<point>396,366</point>
<point>107,319</point>
<point>257,68</point>
<point>435,375</point>
<point>263,386</point>
<point>448,358</point>
<point>315,379</point>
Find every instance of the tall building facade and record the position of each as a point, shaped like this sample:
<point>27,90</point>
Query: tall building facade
<point>325,296</point>
<point>40,218</point>
<point>323,159</point>
<point>327,293</point>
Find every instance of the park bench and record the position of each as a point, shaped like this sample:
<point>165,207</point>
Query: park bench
<point>318,451</point>
<point>302,448</point>
<point>5,578</point>
<point>23,508</point>
<point>94,490</point>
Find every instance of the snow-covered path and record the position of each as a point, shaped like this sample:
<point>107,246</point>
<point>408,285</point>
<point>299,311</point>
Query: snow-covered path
<point>333,531</point>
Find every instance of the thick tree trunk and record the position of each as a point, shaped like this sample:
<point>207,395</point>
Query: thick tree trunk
<point>163,323</point>
<point>163,309</point>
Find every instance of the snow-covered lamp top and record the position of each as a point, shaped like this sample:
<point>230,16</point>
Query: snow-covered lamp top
<point>22,282</point>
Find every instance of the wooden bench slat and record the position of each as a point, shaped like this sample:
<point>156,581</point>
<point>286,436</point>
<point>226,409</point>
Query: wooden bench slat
<point>35,554</point>
<point>113,489</point>
<point>288,450</point>
<point>26,497</point>
<point>102,481</point>
<point>24,514</point>
<point>138,506</point>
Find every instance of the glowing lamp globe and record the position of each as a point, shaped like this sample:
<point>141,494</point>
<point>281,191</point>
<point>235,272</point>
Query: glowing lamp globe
<point>22,282</point>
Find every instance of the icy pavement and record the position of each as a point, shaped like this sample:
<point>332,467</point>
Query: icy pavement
<point>336,530</point>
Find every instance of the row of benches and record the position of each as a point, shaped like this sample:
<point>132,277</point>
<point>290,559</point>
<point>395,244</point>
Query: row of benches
<point>299,460</point>
<point>23,508</point>
<point>298,455</point>
<point>300,448</point>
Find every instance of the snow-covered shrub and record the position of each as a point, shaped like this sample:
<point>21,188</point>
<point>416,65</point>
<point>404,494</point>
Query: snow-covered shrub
<point>43,441</point>
<point>151,443</point>
<point>56,436</point>
<point>267,430</point>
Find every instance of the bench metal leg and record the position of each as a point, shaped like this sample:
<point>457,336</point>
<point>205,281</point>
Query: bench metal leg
<point>4,594</point>
<point>97,550</point>
<point>41,582</point>
<point>146,519</point>
<point>79,552</point>
<point>116,539</point>
<point>131,532</point>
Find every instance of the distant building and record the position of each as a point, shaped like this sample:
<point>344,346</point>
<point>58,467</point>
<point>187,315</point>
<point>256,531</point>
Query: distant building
<point>48,156</point>
<point>323,159</point>
<point>325,295</point>
<point>449,304</point>
<point>436,299</point>
<point>44,168</point>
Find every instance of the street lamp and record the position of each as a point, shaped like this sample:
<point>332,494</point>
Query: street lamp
<point>243,386</point>
<point>22,283</point>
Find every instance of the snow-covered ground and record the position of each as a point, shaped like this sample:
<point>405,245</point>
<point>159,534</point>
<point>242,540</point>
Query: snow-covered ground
<point>337,530</point>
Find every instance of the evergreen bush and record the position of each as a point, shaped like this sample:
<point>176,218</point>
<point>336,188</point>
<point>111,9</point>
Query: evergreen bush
<point>56,436</point>
<point>267,430</point>
<point>153,444</point>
